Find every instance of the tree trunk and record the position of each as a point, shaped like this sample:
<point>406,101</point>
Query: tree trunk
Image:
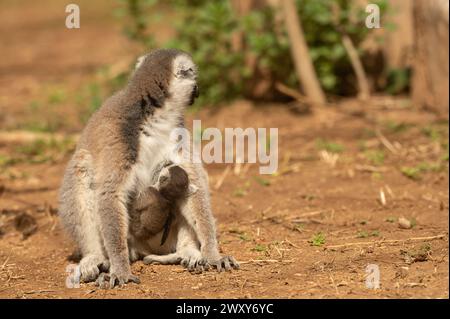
<point>300,54</point>
<point>430,70</point>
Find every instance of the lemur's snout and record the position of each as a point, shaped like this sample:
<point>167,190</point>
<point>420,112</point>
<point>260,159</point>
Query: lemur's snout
<point>196,91</point>
<point>194,94</point>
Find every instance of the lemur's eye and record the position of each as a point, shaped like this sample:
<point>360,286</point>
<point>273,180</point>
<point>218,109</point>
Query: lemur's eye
<point>186,73</point>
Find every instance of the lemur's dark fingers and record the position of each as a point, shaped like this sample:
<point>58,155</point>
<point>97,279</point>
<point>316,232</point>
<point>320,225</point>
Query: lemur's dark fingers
<point>134,279</point>
<point>226,263</point>
<point>233,262</point>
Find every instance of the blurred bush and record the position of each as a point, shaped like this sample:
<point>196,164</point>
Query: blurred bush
<point>246,55</point>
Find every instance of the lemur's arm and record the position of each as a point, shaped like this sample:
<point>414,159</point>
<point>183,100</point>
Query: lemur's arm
<point>198,213</point>
<point>112,210</point>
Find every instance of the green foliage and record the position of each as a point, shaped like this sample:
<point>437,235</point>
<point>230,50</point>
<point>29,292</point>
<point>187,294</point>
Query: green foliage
<point>40,151</point>
<point>417,254</point>
<point>391,219</point>
<point>411,172</point>
<point>136,19</point>
<point>208,29</point>
<point>323,27</point>
<point>57,96</point>
<point>375,156</point>
<point>44,118</point>
<point>260,248</point>
<point>6,160</point>
<point>240,192</point>
<point>90,99</point>
<point>262,181</point>
<point>396,127</point>
<point>329,146</point>
<point>446,155</point>
<point>432,132</point>
<point>365,234</point>
<point>92,94</point>
<point>414,172</point>
<point>318,239</point>
<point>398,80</point>
<point>205,31</point>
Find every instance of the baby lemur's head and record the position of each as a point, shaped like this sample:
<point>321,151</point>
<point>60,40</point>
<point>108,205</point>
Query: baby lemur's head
<point>165,75</point>
<point>173,182</point>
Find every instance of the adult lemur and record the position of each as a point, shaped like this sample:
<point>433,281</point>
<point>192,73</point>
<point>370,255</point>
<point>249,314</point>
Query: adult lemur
<point>121,148</point>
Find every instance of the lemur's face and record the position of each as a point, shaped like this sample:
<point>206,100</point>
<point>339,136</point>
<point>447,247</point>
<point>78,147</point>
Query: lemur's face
<point>184,83</point>
<point>175,70</point>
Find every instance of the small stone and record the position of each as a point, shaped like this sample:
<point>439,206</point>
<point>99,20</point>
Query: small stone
<point>404,223</point>
<point>26,224</point>
<point>402,272</point>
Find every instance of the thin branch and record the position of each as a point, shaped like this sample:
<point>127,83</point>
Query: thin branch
<point>363,83</point>
<point>291,93</point>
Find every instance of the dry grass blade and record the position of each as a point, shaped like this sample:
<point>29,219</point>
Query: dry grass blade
<point>329,158</point>
<point>382,197</point>
<point>310,214</point>
<point>222,177</point>
<point>237,168</point>
<point>18,137</point>
<point>370,169</point>
<point>308,221</point>
<point>290,243</point>
<point>37,291</point>
<point>334,284</point>
<point>392,241</point>
<point>266,261</point>
<point>4,263</point>
<point>386,142</point>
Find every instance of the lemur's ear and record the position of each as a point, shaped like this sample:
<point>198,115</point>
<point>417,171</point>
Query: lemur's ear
<point>139,61</point>
<point>192,189</point>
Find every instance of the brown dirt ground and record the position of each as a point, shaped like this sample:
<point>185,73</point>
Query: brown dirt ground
<point>256,222</point>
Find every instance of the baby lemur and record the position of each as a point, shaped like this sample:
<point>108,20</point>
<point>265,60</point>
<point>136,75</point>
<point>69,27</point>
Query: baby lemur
<point>114,164</point>
<point>155,211</point>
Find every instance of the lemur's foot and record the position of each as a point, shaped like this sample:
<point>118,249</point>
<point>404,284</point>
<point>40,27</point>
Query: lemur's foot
<point>223,263</point>
<point>106,280</point>
<point>195,263</point>
<point>90,267</point>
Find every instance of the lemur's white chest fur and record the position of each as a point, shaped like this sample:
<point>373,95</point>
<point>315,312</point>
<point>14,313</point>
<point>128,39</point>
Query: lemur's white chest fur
<point>155,147</point>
